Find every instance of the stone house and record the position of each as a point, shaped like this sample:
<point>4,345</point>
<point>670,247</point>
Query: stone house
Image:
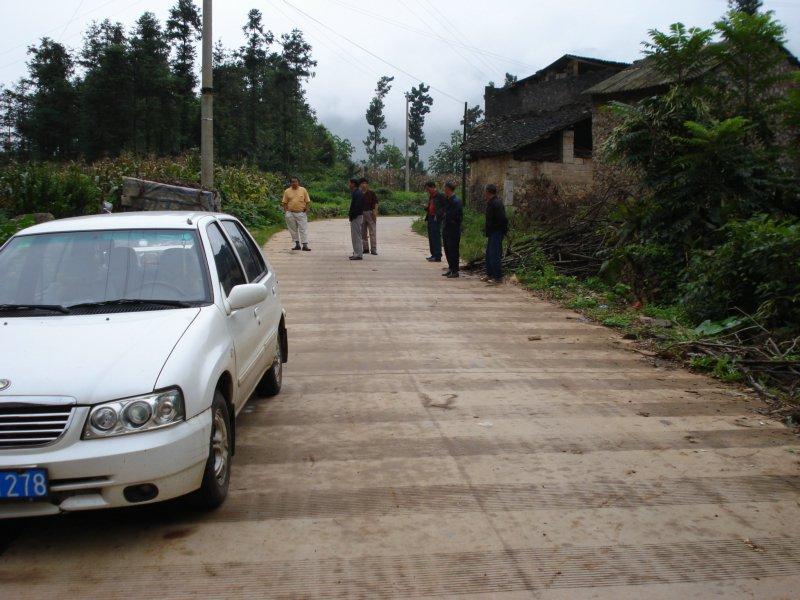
<point>541,135</point>
<point>541,126</point>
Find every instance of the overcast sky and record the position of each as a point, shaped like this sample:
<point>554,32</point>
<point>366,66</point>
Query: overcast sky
<point>415,36</point>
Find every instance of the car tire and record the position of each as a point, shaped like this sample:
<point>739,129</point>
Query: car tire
<point>217,475</point>
<point>270,384</point>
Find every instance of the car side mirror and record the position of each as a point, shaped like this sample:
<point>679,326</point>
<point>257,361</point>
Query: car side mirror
<point>245,295</point>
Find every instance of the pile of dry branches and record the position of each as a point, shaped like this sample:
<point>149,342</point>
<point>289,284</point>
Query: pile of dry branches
<point>770,367</point>
<point>572,239</point>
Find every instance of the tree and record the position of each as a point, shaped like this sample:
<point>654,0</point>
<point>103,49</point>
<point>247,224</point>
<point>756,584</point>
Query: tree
<point>420,105</point>
<point>390,157</point>
<point>680,54</point>
<point>154,107</point>
<point>376,119</point>
<point>749,7</point>
<point>294,66</point>
<point>49,124</point>
<point>344,150</point>
<point>510,80</point>
<point>447,158</point>
<point>474,117</point>
<point>749,55</point>
<point>183,31</point>
<point>107,93</point>
<point>256,63</point>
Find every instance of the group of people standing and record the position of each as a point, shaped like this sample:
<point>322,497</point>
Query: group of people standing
<point>363,215</point>
<point>444,214</point>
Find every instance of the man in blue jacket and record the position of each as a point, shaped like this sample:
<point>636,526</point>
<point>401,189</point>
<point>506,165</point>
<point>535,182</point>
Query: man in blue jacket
<point>451,229</point>
<point>356,216</point>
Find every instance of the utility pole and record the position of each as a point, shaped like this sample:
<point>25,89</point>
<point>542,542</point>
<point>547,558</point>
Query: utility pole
<point>207,105</point>
<point>407,172</point>
<point>464,161</point>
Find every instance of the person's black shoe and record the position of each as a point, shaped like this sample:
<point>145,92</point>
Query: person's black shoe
<point>452,275</point>
<point>355,258</point>
<point>446,274</point>
<point>306,248</point>
<point>296,246</point>
<point>433,259</point>
<point>374,253</point>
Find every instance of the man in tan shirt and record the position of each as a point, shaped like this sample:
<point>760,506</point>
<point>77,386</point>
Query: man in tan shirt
<point>295,207</point>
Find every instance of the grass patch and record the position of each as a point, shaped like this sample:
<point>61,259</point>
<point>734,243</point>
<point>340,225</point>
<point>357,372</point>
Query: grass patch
<point>263,234</point>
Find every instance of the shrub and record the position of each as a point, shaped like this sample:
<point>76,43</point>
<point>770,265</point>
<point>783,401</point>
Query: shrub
<point>756,269</point>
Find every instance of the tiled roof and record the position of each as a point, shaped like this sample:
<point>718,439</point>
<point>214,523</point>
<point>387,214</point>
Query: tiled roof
<point>507,134</point>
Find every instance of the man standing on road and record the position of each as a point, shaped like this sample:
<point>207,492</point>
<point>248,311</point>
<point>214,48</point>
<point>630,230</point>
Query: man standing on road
<point>356,216</point>
<point>369,229</point>
<point>434,215</point>
<point>451,229</point>
<point>295,208</point>
<point>496,230</point>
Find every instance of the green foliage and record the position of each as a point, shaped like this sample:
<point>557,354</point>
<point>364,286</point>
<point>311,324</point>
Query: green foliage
<point>756,269</point>
<point>137,92</point>
<point>448,157</point>
<point>9,227</point>
<point>420,102</point>
<point>723,367</point>
<point>682,53</point>
<point>377,120</point>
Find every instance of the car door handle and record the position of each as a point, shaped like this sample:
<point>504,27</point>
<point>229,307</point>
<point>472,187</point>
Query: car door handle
<point>274,290</point>
<point>255,311</point>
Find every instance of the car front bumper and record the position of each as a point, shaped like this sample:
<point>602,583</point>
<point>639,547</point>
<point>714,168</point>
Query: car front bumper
<point>92,474</point>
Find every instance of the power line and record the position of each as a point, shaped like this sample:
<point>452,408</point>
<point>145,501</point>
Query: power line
<point>371,53</point>
<point>63,39</point>
<point>478,55</point>
<point>447,42</point>
<point>422,33</point>
<point>72,18</point>
<point>337,50</point>
<point>88,12</point>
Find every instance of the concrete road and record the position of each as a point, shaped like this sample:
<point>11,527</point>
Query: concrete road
<point>443,438</point>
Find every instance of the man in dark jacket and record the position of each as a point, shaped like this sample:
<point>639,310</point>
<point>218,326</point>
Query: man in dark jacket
<point>356,216</point>
<point>434,215</point>
<point>496,230</point>
<point>451,229</point>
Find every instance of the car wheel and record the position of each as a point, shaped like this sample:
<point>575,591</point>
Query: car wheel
<point>270,384</point>
<point>217,475</point>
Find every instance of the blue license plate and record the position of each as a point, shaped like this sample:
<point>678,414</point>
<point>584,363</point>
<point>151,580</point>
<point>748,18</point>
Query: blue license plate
<point>23,483</point>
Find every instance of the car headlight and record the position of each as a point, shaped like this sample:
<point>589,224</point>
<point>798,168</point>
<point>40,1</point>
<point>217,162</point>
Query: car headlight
<point>142,413</point>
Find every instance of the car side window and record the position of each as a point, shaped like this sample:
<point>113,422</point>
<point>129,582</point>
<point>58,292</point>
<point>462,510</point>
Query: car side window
<point>251,257</point>
<point>228,269</point>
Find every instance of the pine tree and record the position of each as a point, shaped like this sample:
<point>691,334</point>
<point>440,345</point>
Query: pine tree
<point>50,122</point>
<point>183,31</point>
<point>256,64</point>
<point>749,7</point>
<point>106,92</point>
<point>153,84</point>
<point>230,103</point>
<point>420,105</point>
<point>293,66</point>
<point>377,120</point>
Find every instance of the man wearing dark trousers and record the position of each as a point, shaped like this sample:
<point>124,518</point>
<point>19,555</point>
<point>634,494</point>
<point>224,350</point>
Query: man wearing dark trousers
<point>496,230</point>
<point>434,215</point>
<point>451,229</point>
<point>369,229</point>
<point>356,216</point>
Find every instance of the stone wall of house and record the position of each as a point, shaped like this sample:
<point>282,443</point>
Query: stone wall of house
<point>572,177</point>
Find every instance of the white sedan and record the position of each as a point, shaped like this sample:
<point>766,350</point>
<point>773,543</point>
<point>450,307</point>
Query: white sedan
<point>128,343</point>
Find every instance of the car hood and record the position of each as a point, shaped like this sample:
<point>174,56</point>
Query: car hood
<point>93,358</point>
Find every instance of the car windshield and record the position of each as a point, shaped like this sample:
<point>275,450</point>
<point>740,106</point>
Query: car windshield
<point>87,267</point>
